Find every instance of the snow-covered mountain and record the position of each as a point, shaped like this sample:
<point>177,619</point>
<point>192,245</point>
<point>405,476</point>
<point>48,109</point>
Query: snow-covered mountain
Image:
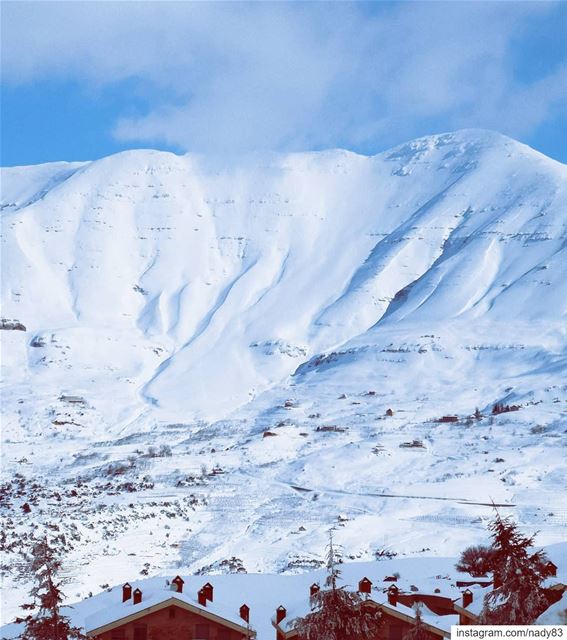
<point>170,301</point>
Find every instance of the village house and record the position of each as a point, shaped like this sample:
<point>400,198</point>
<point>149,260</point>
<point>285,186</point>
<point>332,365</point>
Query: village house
<point>439,611</point>
<point>169,614</point>
<point>398,613</point>
<point>470,608</point>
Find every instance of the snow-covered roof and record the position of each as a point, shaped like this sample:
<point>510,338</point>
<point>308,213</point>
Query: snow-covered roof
<point>443,623</point>
<point>556,614</point>
<point>263,593</point>
<point>165,596</point>
<point>440,622</point>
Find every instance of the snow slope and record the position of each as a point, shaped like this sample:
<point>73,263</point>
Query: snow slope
<point>171,301</point>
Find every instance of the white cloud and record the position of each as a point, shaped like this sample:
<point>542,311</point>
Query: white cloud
<point>238,76</point>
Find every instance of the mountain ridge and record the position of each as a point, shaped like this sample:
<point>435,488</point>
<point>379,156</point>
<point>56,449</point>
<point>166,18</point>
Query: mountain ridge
<point>368,279</point>
<point>235,338</point>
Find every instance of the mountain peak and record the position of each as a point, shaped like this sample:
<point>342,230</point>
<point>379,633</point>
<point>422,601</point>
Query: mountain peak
<point>340,305</point>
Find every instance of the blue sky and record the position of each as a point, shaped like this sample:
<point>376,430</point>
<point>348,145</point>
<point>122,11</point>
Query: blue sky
<point>81,80</point>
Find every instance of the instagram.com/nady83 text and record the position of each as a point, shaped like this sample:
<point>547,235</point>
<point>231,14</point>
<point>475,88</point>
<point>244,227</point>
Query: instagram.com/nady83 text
<point>482,632</point>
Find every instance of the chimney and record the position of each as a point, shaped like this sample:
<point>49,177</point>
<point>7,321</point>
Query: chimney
<point>208,591</point>
<point>314,589</point>
<point>137,596</point>
<point>202,598</point>
<point>281,613</point>
<point>393,595</point>
<point>177,584</point>
<point>551,568</point>
<point>245,612</point>
<point>467,598</point>
<point>365,586</point>
<point>126,592</point>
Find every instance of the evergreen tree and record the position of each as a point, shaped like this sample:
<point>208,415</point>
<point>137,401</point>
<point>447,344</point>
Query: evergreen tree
<point>519,596</point>
<point>47,596</point>
<point>418,631</point>
<point>337,614</point>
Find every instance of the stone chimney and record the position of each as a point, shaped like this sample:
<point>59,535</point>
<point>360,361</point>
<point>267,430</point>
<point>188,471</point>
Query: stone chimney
<point>126,592</point>
<point>393,592</point>
<point>137,596</point>
<point>245,612</point>
<point>467,598</point>
<point>281,613</point>
<point>202,598</point>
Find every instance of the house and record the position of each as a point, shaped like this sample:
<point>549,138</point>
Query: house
<point>470,607</point>
<point>168,613</point>
<point>398,614</point>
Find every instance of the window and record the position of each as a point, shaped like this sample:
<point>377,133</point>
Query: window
<point>202,632</point>
<point>141,632</point>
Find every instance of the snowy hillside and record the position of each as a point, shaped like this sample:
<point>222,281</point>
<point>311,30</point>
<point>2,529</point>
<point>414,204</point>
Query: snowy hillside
<point>175,310</point>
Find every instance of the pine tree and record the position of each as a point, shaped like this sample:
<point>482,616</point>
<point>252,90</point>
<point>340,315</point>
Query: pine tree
<point>518,596</point>
<point>337,613</point>
<point>418,631</point>
<point>47,596</point>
